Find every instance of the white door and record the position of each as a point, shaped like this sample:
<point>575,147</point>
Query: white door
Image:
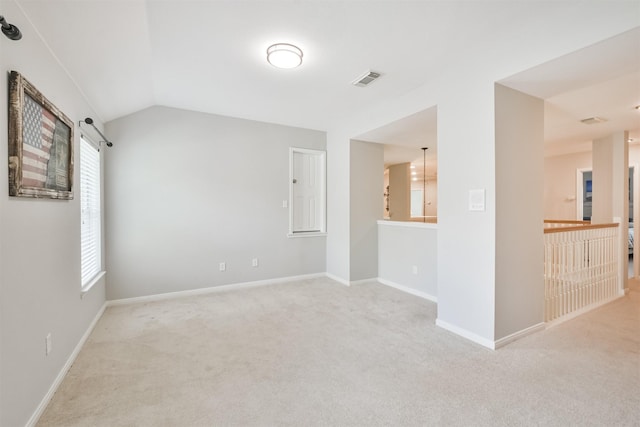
<point>306,192</point>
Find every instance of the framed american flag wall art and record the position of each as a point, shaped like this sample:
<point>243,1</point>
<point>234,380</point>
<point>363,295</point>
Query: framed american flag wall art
<point>40,144</point>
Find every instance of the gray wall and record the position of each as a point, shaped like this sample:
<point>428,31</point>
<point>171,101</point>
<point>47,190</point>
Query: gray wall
<point>519,211</point>
<point>39,247</point>
<point>186,191</point>
<point>367,187</point>
<point>401,246</point>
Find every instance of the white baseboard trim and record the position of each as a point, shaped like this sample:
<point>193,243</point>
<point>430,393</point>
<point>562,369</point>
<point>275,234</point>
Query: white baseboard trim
<point>63,372</point>
<point>338,279</point>
<point>212,289</point>
<point>408,290</point>
<point>520,334</point>
<point>349,282</point>
<point>492,345</point>
<point>363,281</point>
<point>466,334</point>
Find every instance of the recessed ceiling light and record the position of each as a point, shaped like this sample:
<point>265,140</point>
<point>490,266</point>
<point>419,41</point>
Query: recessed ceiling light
<point>413,166</point>
<point>630,140</point>
<point>284,55</point>
<point>414,173</point>
<point>415,179</point>
<point>637,107</point>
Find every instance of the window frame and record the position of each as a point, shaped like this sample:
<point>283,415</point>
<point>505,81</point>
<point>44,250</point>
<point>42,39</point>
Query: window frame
<point>91,215</point>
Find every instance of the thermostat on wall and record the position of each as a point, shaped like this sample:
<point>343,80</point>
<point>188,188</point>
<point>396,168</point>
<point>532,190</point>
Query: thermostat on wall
<point>476,200</point>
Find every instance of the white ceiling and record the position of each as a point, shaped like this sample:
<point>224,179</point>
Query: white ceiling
<point>209,56</point>
<point>602,80</point>
<point>405,138</point>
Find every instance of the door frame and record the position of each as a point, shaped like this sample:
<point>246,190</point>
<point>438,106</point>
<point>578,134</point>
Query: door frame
<point>321,179</point>
<point>580,192</point>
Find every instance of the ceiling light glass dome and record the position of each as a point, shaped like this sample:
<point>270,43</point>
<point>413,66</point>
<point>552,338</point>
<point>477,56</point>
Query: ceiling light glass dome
<point>284,55</point>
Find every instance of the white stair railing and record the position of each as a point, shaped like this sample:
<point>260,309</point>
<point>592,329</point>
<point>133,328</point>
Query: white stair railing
<point>580,267</point>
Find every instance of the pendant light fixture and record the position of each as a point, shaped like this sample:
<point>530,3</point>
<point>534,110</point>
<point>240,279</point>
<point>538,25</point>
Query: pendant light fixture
<point>284,55</point>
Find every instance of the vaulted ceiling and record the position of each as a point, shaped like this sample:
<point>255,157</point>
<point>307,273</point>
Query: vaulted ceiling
<point>209,56</point>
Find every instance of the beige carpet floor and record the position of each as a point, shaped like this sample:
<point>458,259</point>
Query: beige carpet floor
<point>316,353</point>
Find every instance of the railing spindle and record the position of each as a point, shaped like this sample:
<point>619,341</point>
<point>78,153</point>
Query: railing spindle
<point>580,266</point>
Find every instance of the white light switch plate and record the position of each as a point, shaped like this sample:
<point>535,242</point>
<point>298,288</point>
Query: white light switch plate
<point>476,200</point>
<point>47,344</point>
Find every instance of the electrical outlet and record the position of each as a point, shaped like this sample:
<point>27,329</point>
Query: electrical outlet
<point>223,266</point>
<point>285,204</point>
<point>254,262</point>
<point>47,344</point>
<point>414,269</point>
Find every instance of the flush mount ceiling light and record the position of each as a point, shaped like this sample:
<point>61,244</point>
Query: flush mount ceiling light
<point>284,55</point>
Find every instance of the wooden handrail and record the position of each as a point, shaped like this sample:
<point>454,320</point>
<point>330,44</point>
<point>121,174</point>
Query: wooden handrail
<point>565,221</point>
<point>579,227</point>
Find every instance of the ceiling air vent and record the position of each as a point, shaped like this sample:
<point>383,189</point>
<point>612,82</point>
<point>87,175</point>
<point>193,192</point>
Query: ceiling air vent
<point>593,120</point>
<point>365,79</point>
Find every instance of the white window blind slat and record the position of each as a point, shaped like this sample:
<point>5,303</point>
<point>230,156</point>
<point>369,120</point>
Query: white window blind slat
<point>90,233</point>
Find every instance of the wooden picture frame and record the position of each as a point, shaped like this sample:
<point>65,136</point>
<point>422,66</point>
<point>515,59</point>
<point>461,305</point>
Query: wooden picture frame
<point>40,144</point>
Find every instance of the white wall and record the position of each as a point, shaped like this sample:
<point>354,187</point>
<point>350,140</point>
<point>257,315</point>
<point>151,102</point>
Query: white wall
<point>560,181</point>
<point>602,175</point>
<point>403,246</point>
<point>519,211</point>
<point>611,190</point>
<point>611,178</point>
<point>338,206</point>
<point>560,192</point>
<point>432,194</point>
<point>466,239</point>
<point>186,191</point>
<point>367,186</point>
<point>464,97</point>
<point>39,247</point>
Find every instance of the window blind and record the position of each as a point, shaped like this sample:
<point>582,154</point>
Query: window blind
<point>90,211</point>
